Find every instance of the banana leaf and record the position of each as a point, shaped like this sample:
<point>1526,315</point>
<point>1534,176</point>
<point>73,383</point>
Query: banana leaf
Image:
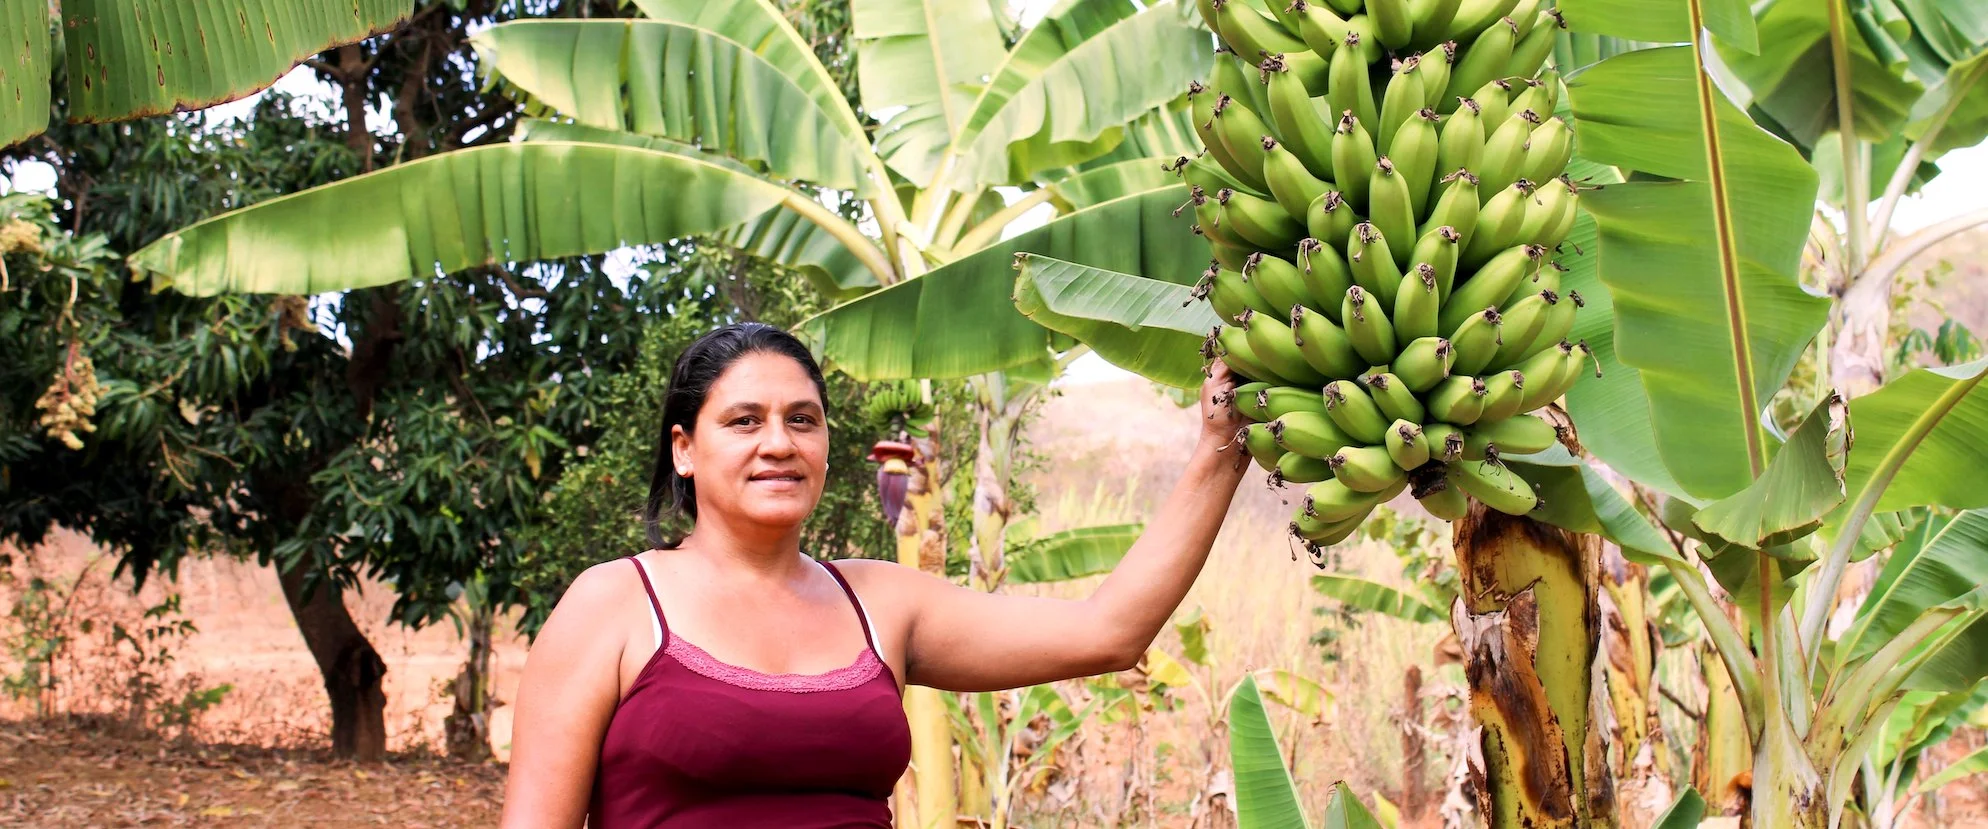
<point>1343,810</point>
<point>1955,111</point>
<point>1104,183</point>
<point>1793,77</point>
<point>959,319</point>
<point>1193,630</point>
<point>1662,22</point>
<point>1950,565</point>
<point>1921,439</point>
<point>781,236</point>
<point>1145,326</point>
<point>919,78</point>
<point>1968,766</point>
<point>1576,498</point>
<point>760,26</point>
<point>1166,131</point>
<point>1803,482</point>
<point>1700,267</point>
<point>131,58</point>
<point>1374,596</point>
<point>1085,70</point>
<point>1071,554</point>
<point>683,83</point>
<point>444,213</point>
<point>1265,796</point>
<point>1686,812</point>
<point>1294,692</point>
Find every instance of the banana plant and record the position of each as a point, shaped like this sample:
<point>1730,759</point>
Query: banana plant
<point>123,60</point>
<point>1266,796</point>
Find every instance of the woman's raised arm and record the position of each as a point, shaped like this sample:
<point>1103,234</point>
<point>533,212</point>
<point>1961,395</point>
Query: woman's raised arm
<point>570,686</point>
<point>966,640</point>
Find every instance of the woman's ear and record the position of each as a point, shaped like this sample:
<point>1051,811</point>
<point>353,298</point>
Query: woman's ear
<point>680,451</point>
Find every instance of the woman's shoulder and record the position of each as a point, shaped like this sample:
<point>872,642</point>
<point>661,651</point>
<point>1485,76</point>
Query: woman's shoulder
<point>601,589</point>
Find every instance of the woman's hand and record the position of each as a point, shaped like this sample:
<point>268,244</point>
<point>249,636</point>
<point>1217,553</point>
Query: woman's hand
<point>1219,418</point>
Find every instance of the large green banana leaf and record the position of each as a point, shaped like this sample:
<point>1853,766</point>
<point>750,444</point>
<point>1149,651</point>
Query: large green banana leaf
<point>1949,52</point>
<point>1071,554</point>
<point>1167,131</point>
<point>959,319</point>
<point>920,65</point>
<point>1802,483</point>
<point>1700,268</point>
<point>1085,70</point>
<point>1662,21</point>
<point>1686,812</point>
<point>782,236</point>
<point>760,26</point>
<point>128,58</point>
<point>1921,439</point>
<point>1106,182</point>
<point>1265,796</point>
<point>1575,497</point>
<point>683,83</point>
<point>1343,810</point>
<point>502,203</point>
<point>1954,113</point>
<point>1145,326</point>
<point>1793,79</point>
<point>1951,565</point>
<point>1374,596</point>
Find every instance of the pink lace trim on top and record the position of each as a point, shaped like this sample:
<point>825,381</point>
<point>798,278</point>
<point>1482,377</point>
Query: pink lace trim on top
<point>866,667</point>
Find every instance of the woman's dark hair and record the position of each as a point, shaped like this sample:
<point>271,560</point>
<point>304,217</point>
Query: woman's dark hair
<point>690,382</point>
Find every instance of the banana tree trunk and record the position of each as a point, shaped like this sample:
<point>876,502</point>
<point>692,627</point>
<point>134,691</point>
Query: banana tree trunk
<point>467,728</point>
<point>1000,421</point>
<point>1638,755</point>
<point>1722,761</point>
<point>921,543</point>
<point>1529,624</point>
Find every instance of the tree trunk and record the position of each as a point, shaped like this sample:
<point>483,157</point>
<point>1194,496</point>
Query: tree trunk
<point>352,670</point>
<point>921,543</point>
<point>1529,623</point>
<point>1722,768</point>
<point>467,729</point>
<point>1414,754</point>
<point>1638,756</point>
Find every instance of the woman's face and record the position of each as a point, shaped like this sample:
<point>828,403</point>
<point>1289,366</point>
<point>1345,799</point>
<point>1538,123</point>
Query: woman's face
<point>760,450</point>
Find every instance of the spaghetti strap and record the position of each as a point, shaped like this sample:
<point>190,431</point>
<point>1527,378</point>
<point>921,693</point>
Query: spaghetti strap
<point>655,607</point>
<point>861,615</point>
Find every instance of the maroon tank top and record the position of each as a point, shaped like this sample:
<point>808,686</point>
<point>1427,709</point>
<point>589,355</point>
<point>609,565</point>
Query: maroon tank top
<point>701,743</point>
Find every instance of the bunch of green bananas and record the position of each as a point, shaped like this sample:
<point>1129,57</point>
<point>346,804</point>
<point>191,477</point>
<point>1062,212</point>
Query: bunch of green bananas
<point>1384,195</point>
<point>898,404</point>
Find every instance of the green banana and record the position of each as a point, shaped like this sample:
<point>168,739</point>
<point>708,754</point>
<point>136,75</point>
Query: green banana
<point>1273,345</point>
<point>1371,262</point>
<point>1490,285</point>
<point>1550,214</point>
<point>1424,363</point>
<point>1533,48</point>
<point>1311,434</point>
<point>1436,65</point>
<point>1321,29</point>
<point>1260,222</point>
<point>1503,392</point>
<point>1500,488</point>
<point>1235,289</point>
<point>1573,363</point>
<point>1445,441</point>
<point>1333,501</point>
<point>1250,34</point>
<point>1299,469</point>
<point>1462,140</point>
<point>1559,322</point>
<point>1446,504</point>
<point>1504,151</point>
<point>1431,19</point>
<point>1483,58</point>
<point>1525,14</point>
<point>1474,16</point>
<point>1329,217</point>
<point>1280,282</point>
<point>1352,160</point>
<point>1459,400</point>
<point>1534,97</point>
<point>1325,275</point>
<point>1279,401</point>
<point>1312,71</point>
<point>1498,224</point>
<point>1367,327</point>
<point>1414,154</point>
<point>1237,79</point>
<point>1391,209</point>
<point>1327,535</point>
<point>1242,133</point>
<point>1366,468</point>
<point>1261,446</point>
<point>1207,10</point>
<point>1393,22</point>
<point>1291,185</point>
<point>1476,341</point>
<point>1438,249</point>
<point>1229,343</point>
<point>1201,106</point>
<point>1283,13</point>
<point>1308,137</point>
<point>1324,345</point>
<point>1417,305</point>
<point>1356,413</point>
<point>1524,321</point>
<point>1406,445</point>
<point>1346,8</point>
<point>1545,368</point>
<point>1348,89</point>
<point>1248,400</point>
<point>1228,306</point>
<point>1519,435</point>
<point>1546,278</point>
<point>1548,149</point>
<point>1402,98</point>
<point>1457,207</point>
<point>1394,398</point>
<point>1230,256</point>
<point>1204,171</point>
<point>1495,99</point>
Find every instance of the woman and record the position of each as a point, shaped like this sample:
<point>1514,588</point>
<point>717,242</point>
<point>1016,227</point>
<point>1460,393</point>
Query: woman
<point>729,680</point>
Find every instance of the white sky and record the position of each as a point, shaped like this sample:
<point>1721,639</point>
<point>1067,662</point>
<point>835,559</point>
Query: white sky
<point>1959,188</point>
